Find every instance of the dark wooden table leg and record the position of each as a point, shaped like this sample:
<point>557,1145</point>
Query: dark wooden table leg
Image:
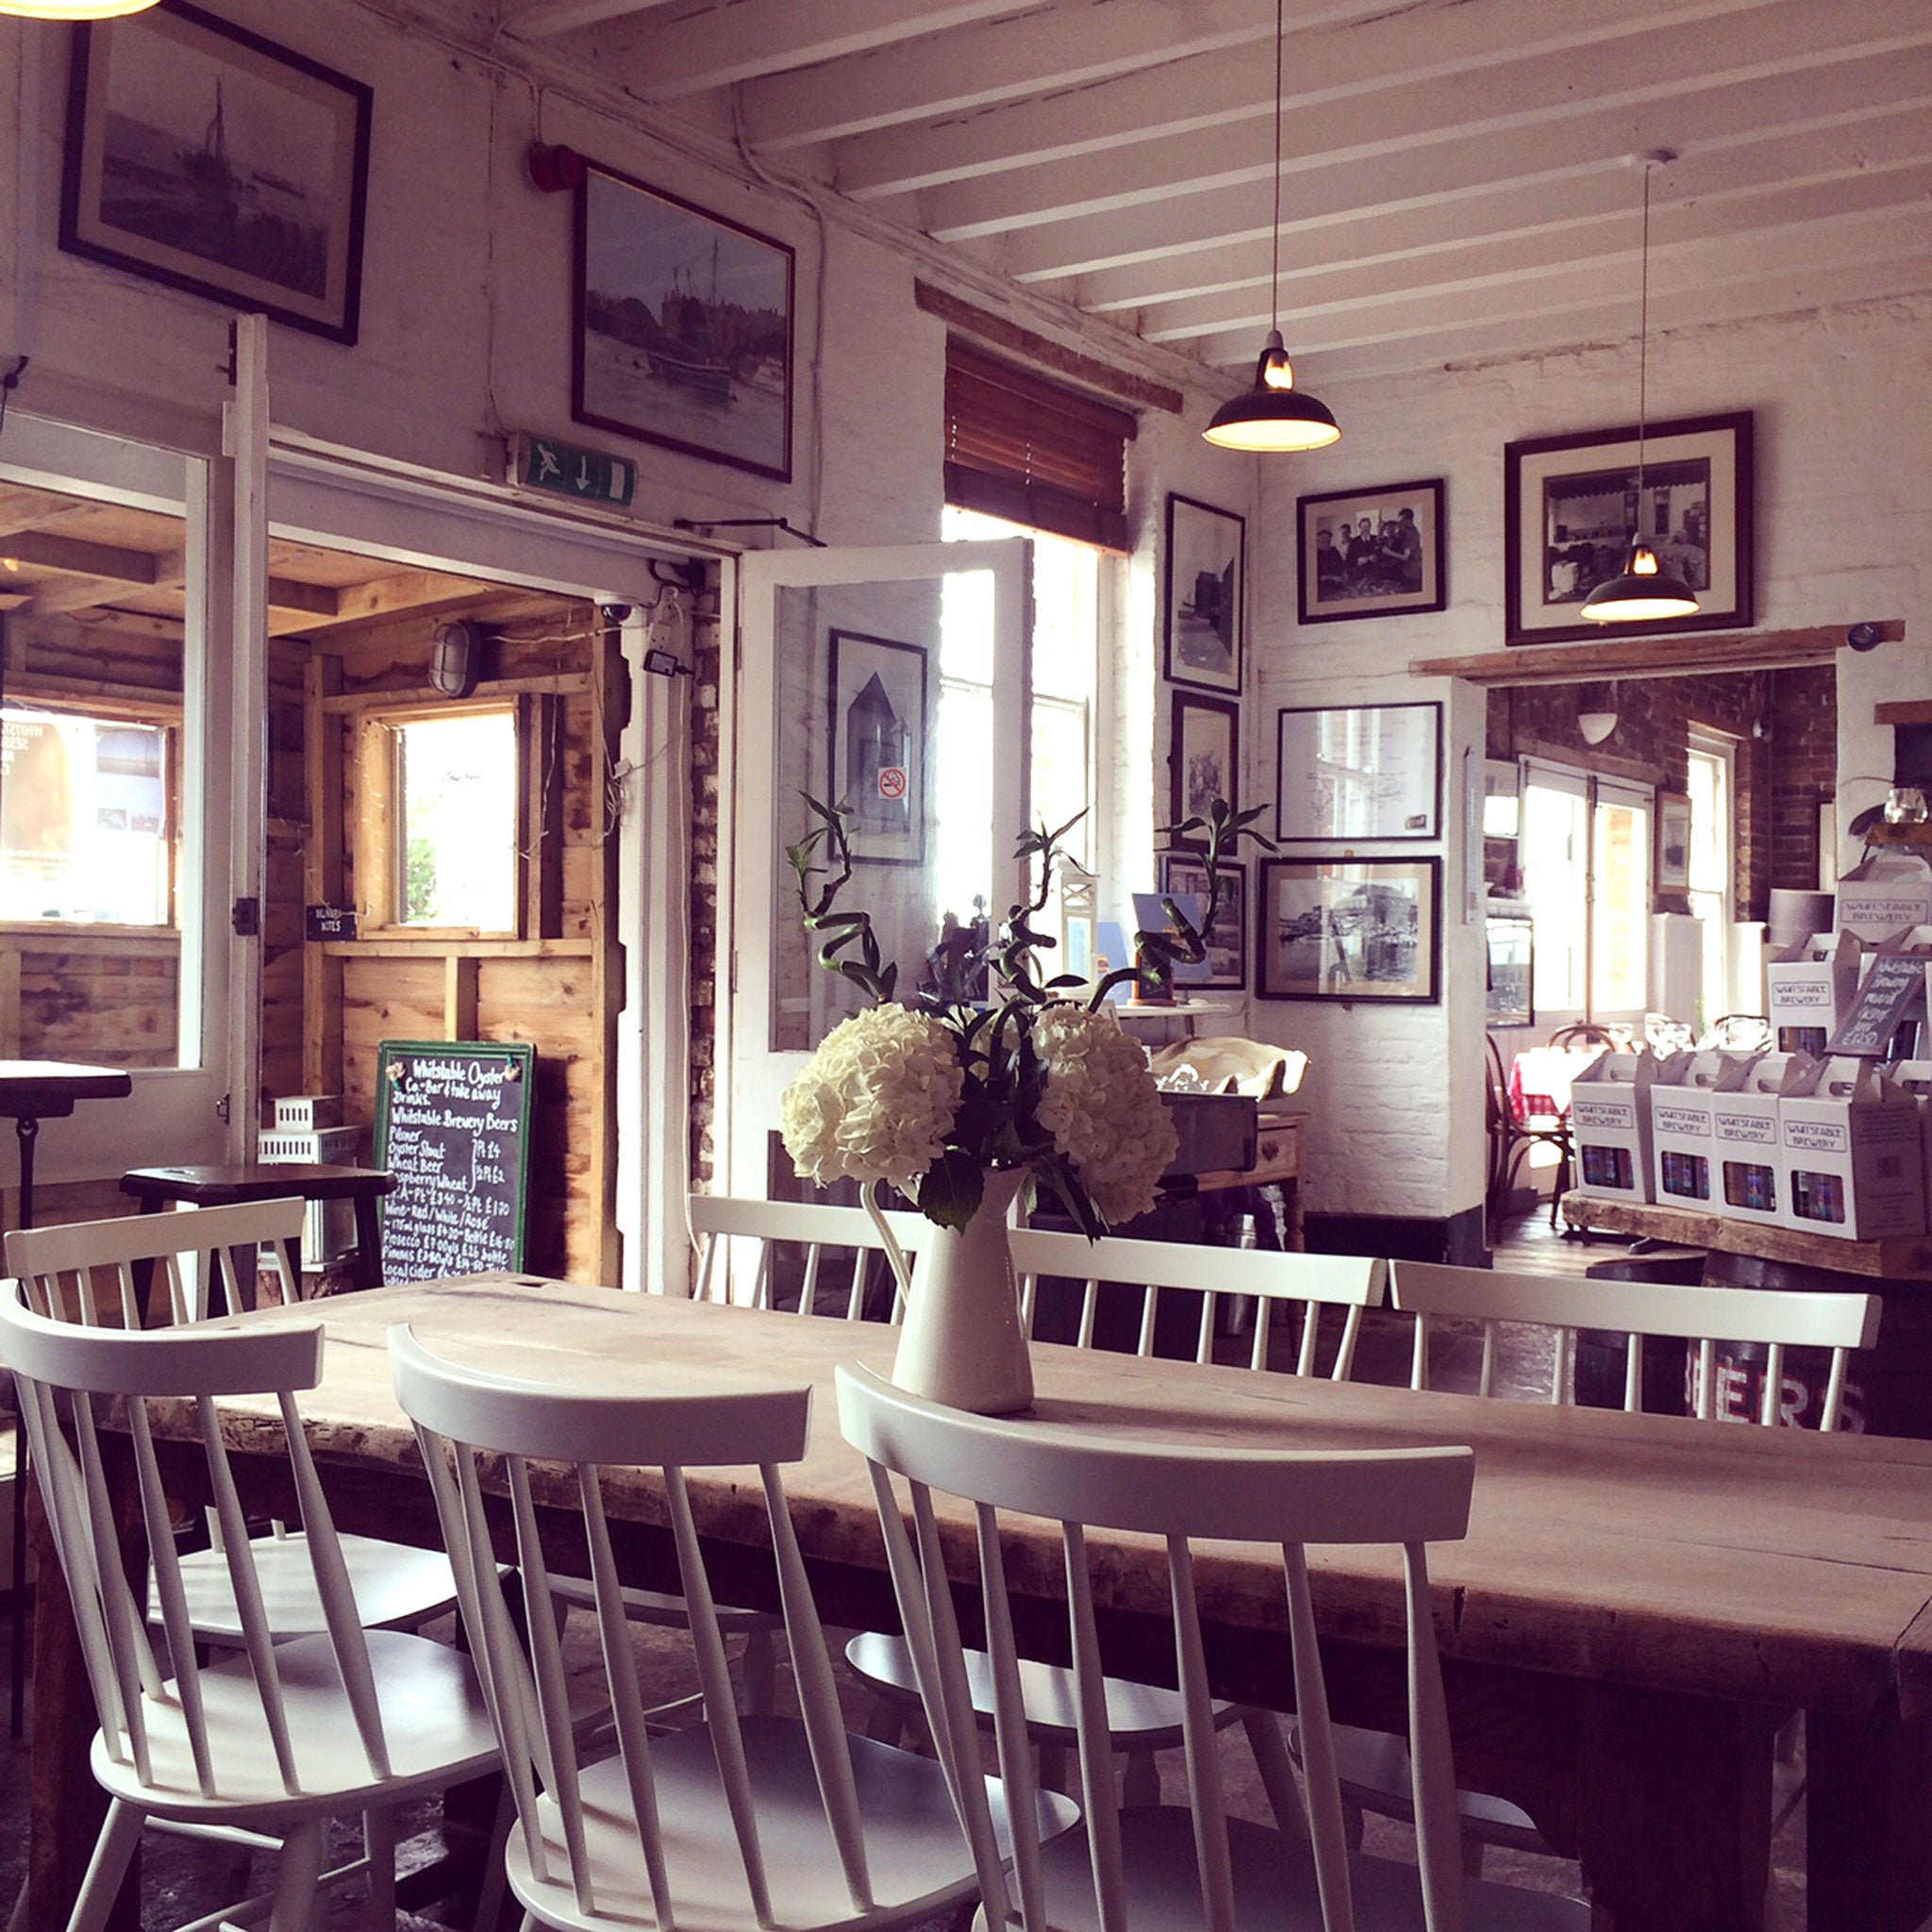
<point>367,1243</point>
<point>1868,1820</point>
<point>1676,1811</point>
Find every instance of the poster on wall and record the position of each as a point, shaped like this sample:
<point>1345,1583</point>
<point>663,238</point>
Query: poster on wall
<point>878,750</point>
<point>1337,929</point>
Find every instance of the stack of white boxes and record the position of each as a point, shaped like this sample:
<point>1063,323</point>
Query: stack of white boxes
<point>1852,1150</point>
<point>1681,1098</point>
<point>1808,989</point>
<point>1748,1182</point>
<point>1609,1124</point>
<point>309,1129</point>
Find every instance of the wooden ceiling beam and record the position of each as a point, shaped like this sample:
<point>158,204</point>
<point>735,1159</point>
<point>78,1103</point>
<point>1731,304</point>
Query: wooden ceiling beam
<point>1689,655</point>
<point>79,556</point>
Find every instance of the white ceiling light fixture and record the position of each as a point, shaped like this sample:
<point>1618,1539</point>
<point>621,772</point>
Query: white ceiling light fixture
<point>1595,726</point>
<point>75,10</point>
<point>1273,415</point>
<point>1643,592</point>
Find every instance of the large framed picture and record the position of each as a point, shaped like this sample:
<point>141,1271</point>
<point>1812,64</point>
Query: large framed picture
<point>1202,759</point>
<point>1673,841</point>
<point>877,754</point>
<point>1335,929</point>
<point>1347,771</point>
<point>1227,938</point>
<point>1571,510</point>
<point>1372,553</point>
<point>1207,592</point>
<point>684,322</point>
<point>212,160</point>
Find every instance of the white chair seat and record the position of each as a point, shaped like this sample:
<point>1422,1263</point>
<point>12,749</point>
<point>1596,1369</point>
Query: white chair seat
<point>391,1583</point>
<point>1273,1885</point>
<point>433,1716</point>
<point>915,1852</point>
<point>659,1609</point>
<point>1375,1773</point>
<point>1140,1717</point>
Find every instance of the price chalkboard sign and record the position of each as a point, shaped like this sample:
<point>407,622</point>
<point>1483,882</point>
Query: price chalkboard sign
<point>1892,981</point>
<point>452,1124</point>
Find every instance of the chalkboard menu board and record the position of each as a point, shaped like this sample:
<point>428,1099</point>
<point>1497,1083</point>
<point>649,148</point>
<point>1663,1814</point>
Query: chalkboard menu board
<point>452,1124</point>
<point>1892,981</point>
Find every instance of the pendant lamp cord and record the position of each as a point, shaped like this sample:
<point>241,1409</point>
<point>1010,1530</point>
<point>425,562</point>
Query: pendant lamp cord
<point>1274,233</point>
<point>1642,342</point>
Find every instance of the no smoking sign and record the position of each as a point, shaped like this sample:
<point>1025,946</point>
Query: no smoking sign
<point>892,781</point>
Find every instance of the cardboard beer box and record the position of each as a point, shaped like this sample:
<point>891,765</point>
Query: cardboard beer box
<point>1915,1078</point>
<point>1681,1094</point>
<point>1884,893</point>
<point>1850,1153</point>
<point>1808,988</point>
<point>1610,1125</point>
<point>1746,1181</point>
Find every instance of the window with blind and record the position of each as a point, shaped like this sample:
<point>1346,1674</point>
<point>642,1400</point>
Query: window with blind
<point>1033,452</point>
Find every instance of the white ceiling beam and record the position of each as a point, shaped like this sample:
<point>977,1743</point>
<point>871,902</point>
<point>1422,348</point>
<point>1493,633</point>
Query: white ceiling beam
<point>1654,75</point>
<point>724,45</point>
<point>542,20</point>
<point>1715,186</point>
<point>1582,305</point>
<point>1591,141</point>
<point>1701,244</point>
<point>1173,96</point>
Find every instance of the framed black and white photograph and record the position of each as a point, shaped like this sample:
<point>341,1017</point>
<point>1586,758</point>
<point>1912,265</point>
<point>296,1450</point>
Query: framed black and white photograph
<point>1206,590</point>
<point>1347,771</point>
<point>684,326</point>
<point>1335,929</point>
<point>1571,510</point>
<point>1673,841</point>
<point>878,751</point>
<point>1227,938</point>
<point>1203,758</point>
<point>1372,553</point>
<point>212,160</point>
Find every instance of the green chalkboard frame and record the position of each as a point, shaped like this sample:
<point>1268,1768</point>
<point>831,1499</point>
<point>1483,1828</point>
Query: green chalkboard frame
<point>513,1052</point>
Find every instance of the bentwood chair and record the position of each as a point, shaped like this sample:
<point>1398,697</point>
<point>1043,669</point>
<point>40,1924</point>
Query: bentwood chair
<point>1373,1763</point>
<point>737,1824</point>
<point>1142,1719</point>
<point>1034,1490</point>
<point>103,1272</point>
<point>282,1736</point>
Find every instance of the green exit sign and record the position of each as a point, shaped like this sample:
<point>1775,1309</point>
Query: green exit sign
<point>564,470</point>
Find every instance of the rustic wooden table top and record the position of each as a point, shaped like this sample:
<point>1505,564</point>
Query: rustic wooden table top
<point>1760,1566</point>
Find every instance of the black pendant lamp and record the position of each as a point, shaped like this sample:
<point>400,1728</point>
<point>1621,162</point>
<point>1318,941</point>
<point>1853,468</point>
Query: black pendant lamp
<point>1644,590</point>
<point>1275,415</point>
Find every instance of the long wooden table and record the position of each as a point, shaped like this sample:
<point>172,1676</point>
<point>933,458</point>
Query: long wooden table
<point>1637,1601</point>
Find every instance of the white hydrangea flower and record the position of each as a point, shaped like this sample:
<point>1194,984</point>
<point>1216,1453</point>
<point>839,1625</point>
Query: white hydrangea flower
<point>1103,1110</point>
<point>876,1100</point>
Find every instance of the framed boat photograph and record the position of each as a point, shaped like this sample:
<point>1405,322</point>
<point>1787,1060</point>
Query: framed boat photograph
<point>1184,876</point>
<point>1205,602</point>
<point>1338,928</point>
<point>1202,758</point>
<point>1372,553</point>
<point>212,160</point>
<point>878,761</point>
<point>683,328</point>
<point>1571,507</point>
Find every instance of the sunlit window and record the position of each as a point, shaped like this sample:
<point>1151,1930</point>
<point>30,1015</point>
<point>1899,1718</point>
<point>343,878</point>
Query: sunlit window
<point>84,819</point>
<point>455,789</point>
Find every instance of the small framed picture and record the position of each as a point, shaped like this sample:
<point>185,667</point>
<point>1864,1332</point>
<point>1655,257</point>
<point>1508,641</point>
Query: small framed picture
<point>1372,553</point>
<point>212,160</point>
<point>1571,510</point>
<point>1347,771</point>
<point>1207,591</point>
<point>683,331</point>
<point>1673,841</point>
<point>1335,929</point>
<point>1203,758</point>
<point>1228,936</point>
<point>880,771</point>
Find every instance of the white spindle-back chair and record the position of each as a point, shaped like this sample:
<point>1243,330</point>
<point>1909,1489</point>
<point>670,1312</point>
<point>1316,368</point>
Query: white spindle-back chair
<point>1146,1718</point>
<point>1153,1868</point>
<point>283,1735</point>
<point>719,1221</point>
<point>738,1823</point>
<point>92,1273</point>
<point>1776,1318</point>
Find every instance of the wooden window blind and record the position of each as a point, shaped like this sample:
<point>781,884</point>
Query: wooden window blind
<point>1021,447</point>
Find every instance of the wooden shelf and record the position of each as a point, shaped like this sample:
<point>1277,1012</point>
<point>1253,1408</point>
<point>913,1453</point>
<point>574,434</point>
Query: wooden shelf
<point>1883,834</point>
<point>1905,1258</point>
